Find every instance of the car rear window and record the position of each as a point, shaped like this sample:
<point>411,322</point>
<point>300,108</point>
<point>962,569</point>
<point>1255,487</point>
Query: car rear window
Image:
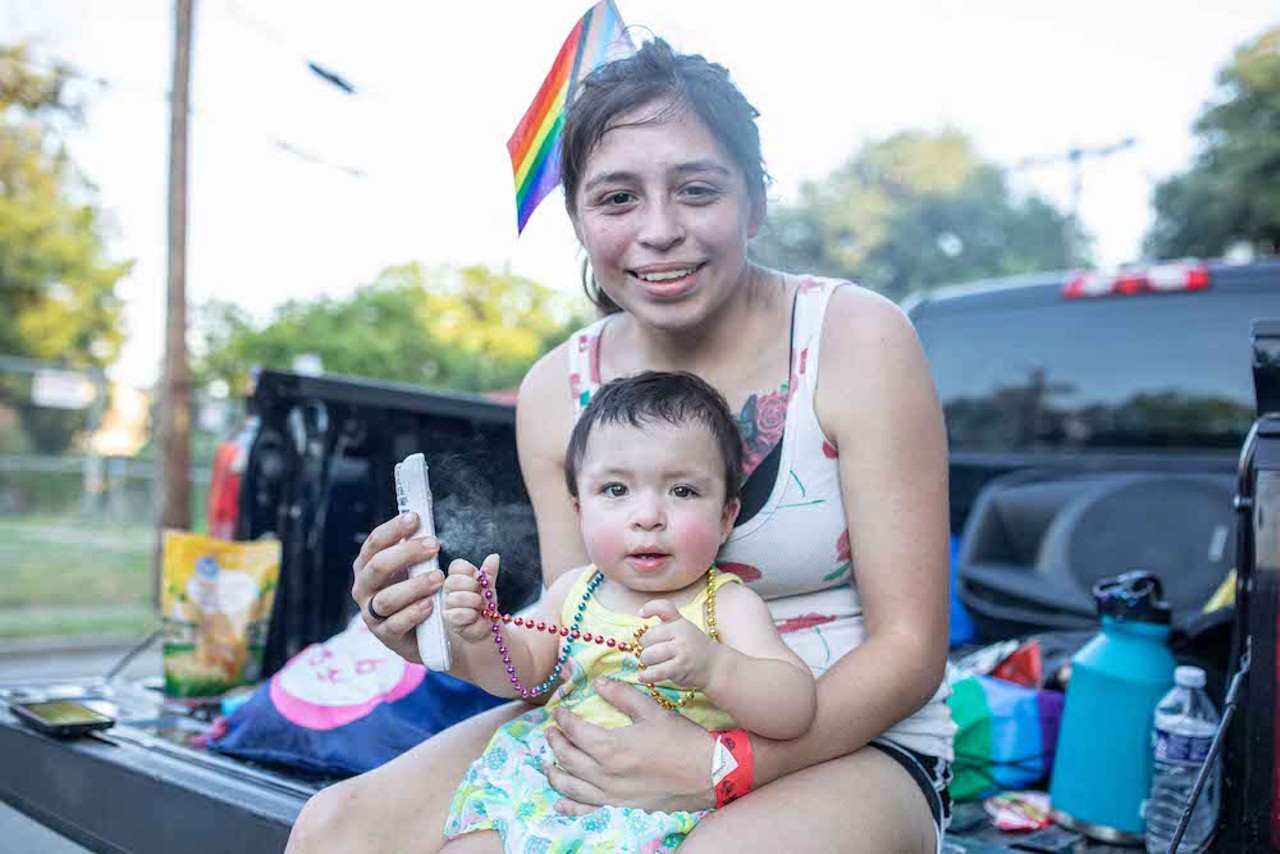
<point>1147,371</point>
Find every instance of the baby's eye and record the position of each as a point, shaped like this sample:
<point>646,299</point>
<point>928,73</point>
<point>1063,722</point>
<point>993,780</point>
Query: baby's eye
<point>683,491</point>
<point>613,490</point>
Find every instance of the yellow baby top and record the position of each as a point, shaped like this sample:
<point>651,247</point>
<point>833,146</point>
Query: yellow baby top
<point>588,661</point>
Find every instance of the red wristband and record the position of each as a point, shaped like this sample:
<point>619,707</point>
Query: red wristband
<point>733,775</point>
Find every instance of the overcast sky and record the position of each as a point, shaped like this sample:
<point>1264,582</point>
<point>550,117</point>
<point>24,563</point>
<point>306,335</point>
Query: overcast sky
<point>299,190</point>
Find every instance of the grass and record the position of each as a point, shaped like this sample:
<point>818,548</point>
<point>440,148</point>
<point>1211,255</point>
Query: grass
<point>60,563</point>
<point>70,622</point>
<point>59,577</point>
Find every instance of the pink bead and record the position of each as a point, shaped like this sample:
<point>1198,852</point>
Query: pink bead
<point>600,639</point>
<point>542,627</point>
<point>506,618</point>
<point>502,649</point>
<point>564,631</point>
<point>612,642</point>
<point>586,636</point>
<point>519,621</point>
<point>575,634</point>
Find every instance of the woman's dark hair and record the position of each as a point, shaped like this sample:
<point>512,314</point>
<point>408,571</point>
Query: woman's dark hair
<point>656,73</point>
<point>659,397</point>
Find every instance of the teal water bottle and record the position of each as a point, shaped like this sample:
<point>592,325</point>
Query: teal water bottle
<point>1102,766</point>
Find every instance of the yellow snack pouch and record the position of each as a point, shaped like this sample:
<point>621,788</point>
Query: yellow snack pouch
<point>217,607</point>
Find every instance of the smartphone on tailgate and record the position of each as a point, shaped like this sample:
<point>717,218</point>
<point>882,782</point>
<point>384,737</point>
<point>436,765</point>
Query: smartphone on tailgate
<point>61,718</point>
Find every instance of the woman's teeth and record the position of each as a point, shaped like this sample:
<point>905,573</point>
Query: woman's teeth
<point>666,277</point>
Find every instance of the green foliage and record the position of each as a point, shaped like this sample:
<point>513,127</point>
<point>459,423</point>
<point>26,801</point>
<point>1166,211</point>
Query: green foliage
<point>915,211</point>
<point>1232,192</point>
<point>57,287</point>
<point>472,329</point>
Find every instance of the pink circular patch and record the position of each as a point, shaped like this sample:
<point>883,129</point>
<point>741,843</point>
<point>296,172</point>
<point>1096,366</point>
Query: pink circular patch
<point>330,685</point>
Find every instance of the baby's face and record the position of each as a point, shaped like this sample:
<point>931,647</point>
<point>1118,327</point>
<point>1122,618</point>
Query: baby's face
<point>652,504</point>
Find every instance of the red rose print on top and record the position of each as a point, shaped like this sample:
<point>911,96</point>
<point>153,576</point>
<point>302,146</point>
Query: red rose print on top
<point>844,555</point>
<point>804,621</point>
<point>744,571</point>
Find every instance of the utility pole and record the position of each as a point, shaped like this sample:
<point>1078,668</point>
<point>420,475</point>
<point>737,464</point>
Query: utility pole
<point>173,488</point>
<point>1074,157</point>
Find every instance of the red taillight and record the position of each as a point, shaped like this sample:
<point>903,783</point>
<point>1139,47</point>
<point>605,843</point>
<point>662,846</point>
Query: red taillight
<point>1163,278</point>
<point>1198,278</point>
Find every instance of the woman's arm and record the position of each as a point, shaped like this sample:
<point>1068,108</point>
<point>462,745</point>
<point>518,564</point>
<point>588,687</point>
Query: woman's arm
<point>876,400</point>
<point>544,420</point>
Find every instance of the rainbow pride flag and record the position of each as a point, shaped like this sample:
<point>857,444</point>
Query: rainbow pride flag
<point>535,145</point>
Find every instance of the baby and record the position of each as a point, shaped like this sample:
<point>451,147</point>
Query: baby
<point>653,468</point>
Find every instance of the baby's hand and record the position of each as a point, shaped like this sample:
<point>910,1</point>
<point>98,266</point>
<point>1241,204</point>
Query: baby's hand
<point>675,650</point>
<point>464,599</point>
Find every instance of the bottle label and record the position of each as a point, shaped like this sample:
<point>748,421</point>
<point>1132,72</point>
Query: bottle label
<point>1184,749</point>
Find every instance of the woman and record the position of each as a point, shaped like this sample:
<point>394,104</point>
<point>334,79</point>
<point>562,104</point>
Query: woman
<point>844,520</point>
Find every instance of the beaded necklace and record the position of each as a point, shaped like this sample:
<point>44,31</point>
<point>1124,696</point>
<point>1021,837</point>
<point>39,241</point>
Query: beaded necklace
<point>573,632</point>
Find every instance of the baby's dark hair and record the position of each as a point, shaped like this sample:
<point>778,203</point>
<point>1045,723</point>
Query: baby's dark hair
<point>657,73</point>
<point>659,397</point>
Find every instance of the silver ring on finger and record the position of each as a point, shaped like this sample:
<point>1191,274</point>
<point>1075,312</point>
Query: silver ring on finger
<point>372,612</point>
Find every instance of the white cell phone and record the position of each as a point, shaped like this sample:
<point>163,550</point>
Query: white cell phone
<point>413,495</point>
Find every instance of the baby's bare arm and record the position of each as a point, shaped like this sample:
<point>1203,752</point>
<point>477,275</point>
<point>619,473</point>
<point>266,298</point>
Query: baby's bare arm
<point>476,658</point>
<point>755,676</point>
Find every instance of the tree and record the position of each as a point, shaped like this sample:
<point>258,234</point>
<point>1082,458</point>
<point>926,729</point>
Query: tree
<point>915,211</point>
<point>57,286</point>
<point>472,329</point>
<point>1231,193</point>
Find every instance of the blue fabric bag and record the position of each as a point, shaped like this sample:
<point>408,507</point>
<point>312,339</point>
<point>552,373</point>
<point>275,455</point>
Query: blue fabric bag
<point>346,706</point>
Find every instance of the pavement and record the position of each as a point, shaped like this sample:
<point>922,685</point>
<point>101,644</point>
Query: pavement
<point>62,659</point>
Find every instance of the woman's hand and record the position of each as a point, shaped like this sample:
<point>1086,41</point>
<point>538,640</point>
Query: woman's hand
<point>399,603</point>
<point>464,599</point>
<point>662,761</point>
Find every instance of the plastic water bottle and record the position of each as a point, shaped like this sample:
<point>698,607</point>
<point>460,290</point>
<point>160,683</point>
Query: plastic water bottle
<point>1185,722</point>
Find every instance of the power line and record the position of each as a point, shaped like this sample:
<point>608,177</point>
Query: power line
<point>324,72</point>
<point>60,66</point>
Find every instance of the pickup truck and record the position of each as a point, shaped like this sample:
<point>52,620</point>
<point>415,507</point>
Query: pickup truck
<point>1053,377</point>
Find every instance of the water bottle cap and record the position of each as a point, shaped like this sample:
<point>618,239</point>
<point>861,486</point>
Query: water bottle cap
<point>1136,596</point>
<point>1189,677</point>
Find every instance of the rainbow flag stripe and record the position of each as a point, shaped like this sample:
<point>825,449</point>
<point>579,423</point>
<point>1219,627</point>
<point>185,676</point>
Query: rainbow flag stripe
<point>535,145</point>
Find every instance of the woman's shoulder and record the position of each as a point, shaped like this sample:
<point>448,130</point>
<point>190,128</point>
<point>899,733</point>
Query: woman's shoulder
<point>870,354</point>
<point>862,323</point>
<point>544,405</point>
<point>549,372</point>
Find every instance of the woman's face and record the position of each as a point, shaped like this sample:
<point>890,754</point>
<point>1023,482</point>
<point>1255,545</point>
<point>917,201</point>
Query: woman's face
<point>665,215</point>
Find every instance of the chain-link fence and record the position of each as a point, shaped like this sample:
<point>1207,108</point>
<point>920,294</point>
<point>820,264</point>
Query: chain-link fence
<point>78,499</point>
